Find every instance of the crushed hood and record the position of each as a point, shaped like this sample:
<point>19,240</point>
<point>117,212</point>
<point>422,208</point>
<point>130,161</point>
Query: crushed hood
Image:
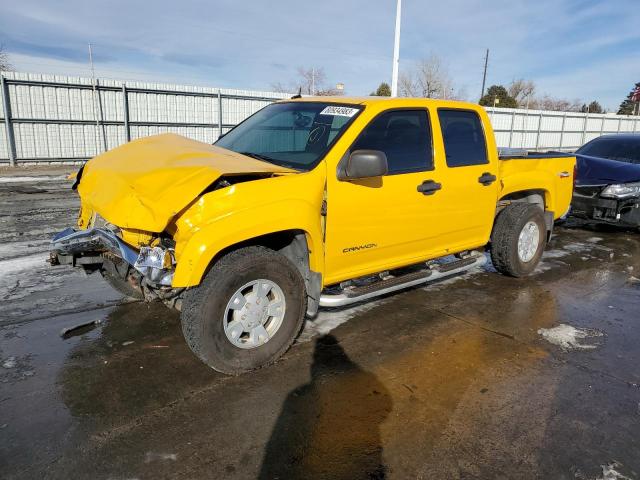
<point>145,183</point>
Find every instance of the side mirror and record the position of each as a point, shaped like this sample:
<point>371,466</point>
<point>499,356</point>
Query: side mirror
<point>363,164</point>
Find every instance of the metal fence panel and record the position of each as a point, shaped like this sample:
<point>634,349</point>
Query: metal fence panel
<point>547,130</point>
<point>59,118</point>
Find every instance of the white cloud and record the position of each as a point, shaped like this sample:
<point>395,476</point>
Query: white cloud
<point>571,48</point>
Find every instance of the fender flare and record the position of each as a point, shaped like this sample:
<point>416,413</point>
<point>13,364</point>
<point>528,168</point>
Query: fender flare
<point>225,232</point>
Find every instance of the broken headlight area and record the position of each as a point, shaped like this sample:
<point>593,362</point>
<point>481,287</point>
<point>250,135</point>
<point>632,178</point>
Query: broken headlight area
<point>156,263</point>
<point>612,204</point>
<point>623,190</point>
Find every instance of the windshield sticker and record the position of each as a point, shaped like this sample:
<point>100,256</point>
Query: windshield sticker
<point>339,111</point>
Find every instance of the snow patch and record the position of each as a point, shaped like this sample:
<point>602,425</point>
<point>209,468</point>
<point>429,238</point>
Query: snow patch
<point>610,472</point>
<point>555,254</point>
<point>543,267</point>
<point>594,239</point>
<point>578,247</point>
<point>153,456</point>
<point>328,320</point>
<point>9,268</point>
<point>9,362</point>
<point>568,337</point>
<point>34,179</point>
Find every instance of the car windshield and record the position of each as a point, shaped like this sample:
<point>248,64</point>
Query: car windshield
<point>623,149</point>
<point>294,134</point>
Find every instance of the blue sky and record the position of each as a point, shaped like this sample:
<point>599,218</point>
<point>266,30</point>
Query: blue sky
<point>583,49</point>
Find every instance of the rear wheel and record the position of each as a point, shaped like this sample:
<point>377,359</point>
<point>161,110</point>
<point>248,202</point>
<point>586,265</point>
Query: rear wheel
<point>518,239</point>
<point>247,311</point>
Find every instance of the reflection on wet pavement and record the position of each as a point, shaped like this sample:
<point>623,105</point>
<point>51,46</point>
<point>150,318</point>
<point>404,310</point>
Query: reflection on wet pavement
<point>449,381</point>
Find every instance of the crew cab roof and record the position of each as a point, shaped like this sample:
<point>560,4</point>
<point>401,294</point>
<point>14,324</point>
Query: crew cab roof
<point>392,102</point>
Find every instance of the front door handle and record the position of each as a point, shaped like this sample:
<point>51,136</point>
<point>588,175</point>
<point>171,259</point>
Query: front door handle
<point>487,179</point>
<point>429,187</point>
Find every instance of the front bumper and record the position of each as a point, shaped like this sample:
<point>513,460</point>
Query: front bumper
<point>623,212</point>
<point>90,246</point>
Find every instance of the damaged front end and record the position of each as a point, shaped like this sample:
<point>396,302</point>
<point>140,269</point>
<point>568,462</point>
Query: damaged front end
<point>140,204</point>
<point>617,204</point>
<point>146,272</point>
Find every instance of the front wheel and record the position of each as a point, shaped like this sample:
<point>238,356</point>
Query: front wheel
<point>247,311</point>
<point>518,239</point>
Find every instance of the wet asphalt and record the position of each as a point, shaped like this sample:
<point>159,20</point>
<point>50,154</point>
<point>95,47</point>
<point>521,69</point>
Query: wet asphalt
<point>455,380</point>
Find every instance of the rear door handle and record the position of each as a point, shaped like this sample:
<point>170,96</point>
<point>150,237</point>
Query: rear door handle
<point>487,179</point>
<point>429,187</point>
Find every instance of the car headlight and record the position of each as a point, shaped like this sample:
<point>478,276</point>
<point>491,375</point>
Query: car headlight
<point>623,190</point>
<point>155,257</point>
<point>157,264</point>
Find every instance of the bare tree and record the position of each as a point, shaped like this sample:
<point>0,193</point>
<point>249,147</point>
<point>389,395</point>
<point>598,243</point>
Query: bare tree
<point>547,102</point>
<point>407,86</point>
<point>281,88</point>
<point>429,79</point>
<point>5,65</point>
<point>310,81</point>
<point>522,90</point>
<point>433,78</point>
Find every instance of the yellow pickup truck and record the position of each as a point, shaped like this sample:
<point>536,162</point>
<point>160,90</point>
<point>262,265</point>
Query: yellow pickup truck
<point>311,202</point>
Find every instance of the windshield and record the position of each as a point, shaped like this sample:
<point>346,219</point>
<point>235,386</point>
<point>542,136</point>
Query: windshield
<point>623,149</point>
<point>294,134</point>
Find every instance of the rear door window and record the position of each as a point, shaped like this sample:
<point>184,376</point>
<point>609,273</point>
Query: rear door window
<point>405,138</point>
<point>463,135</point>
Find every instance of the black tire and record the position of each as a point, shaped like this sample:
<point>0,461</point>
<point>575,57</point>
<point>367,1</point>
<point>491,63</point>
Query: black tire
<point>116,274</point>
<point>504,239</point>
<point>203,309</point>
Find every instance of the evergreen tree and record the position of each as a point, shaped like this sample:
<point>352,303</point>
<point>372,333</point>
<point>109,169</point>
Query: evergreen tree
<point>593,107</point>
<point>384,90</point>
<point>627,107</point>
<point>499,92</point>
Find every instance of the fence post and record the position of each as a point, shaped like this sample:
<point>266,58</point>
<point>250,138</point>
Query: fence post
<point>513,121</point>
<point>538,135</point>
<point>219,113</point>
<point>11,140</point>
<point>584,128</point>
<point>125,109</point>
<point>564,119</point>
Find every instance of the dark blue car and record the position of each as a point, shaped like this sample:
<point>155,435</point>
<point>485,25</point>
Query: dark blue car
<point>607,186</point>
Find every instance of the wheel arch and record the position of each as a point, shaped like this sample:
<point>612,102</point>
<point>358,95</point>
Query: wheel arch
<point>295,244</point>
<point>534,196</point>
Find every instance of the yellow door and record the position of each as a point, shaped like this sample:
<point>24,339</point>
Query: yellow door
<point>470,186</point>
<point>379,223</point>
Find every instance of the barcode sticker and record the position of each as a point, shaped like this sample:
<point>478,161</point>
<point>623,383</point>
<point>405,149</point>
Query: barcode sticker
<point>340,111</point>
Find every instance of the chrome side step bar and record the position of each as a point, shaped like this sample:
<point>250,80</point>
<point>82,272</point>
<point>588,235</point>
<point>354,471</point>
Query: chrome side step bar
<point>393,284</point>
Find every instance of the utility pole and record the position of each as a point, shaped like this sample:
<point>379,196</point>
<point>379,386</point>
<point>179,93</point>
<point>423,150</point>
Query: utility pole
<point>313,81</point>
<point>396,52</point>
<point>484,75</point>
